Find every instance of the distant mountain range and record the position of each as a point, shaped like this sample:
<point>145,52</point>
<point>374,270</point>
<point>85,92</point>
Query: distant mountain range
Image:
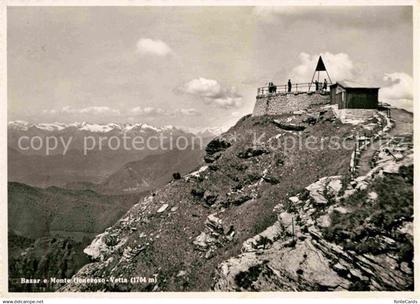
<point>34,167</point>
<point>20,125</point>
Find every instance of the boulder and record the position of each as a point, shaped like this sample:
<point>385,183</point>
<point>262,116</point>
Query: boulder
<point>203,241</point>
<point>288,126</point>
<point>294,199</point>
<point>209,197</point>
<point>310,120</point>
<point>407,228</point>
<point>212,158</point>
<point>324,221</point>
<point>327,185</point>
<point>215,223</point>
<point>217,144</point>
<point>341,210</point>
<point>238,198</point>
<point>181,273</point>
<point>252,152</point>
<point>163,208</point>
<point>362,185</point>
<point>175,208</point>
<point>372,196</point>
<point>334,185</point>
<point>269,235</point>
<point>197,193</point>
<point>271,179</point>
<point>209,254</point>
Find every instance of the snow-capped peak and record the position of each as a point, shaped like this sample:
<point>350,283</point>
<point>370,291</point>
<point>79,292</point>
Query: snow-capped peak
<point>130,127</point>
<point>99,128</point>
<point>168,128</point>
<point>89,127</point>
<point>51,126</point>
<point>18,125</point>
<point>146,126</point>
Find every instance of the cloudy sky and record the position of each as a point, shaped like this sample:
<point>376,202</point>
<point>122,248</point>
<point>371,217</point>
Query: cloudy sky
<point>193,66</point>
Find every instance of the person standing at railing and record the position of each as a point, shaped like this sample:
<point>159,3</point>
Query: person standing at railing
<point>325,85</point>
<point>316,85</point>
<point>289,86</point>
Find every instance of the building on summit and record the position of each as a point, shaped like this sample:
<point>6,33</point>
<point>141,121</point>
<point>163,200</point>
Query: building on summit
<point>351,95</point>
<point>350,101</point>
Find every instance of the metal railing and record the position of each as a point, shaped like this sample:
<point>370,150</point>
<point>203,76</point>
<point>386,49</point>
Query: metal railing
<point>295,88</point>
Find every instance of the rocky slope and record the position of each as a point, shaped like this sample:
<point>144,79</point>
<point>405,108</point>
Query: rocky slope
<point>339,233</point>
<point>182,235</point>
<point>328,238</point>
<point>46,257</point>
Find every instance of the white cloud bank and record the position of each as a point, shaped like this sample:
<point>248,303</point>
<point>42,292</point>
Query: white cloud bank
<point>271,11</point>
<point>400,91</point>
<point>92,110</point>
<point>349,17</point>
<point>152,111</point>
<point>189,112</point>
<point>339,67</point>
<point>147,46</point>
<point>212,92</point>
<point>148,111</point>
<point>105,111</point>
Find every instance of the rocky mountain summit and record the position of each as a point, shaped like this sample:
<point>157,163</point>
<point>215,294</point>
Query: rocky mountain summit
<point>277,206</point>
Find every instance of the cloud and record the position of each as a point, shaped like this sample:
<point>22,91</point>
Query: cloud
<point>353,17</point>
<point>399,92</point>
<point>148,111</point>
<point>146,46</point>
<point>92,110</point>
<point>136,110</point>
<point>211,92</point>
<point>189,112</point>
<point>339,67</point>
<point>154,111</point>
<point>49,111</point>
<point>272,11</point>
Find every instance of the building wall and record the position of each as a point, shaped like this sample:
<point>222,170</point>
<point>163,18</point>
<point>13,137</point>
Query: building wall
<point>357,99</point>
<point>362,100</point>
<point>284,103</point>
<point>333,95</point>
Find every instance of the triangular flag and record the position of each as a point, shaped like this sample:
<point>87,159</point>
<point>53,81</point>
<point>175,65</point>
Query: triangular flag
<point>320,66</point>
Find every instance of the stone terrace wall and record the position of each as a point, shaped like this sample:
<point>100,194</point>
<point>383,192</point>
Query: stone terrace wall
<point>354,116</point>
<point>284,103</point>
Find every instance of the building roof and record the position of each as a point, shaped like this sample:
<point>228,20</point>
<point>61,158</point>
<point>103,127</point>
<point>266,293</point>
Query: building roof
<point>348,84</point>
